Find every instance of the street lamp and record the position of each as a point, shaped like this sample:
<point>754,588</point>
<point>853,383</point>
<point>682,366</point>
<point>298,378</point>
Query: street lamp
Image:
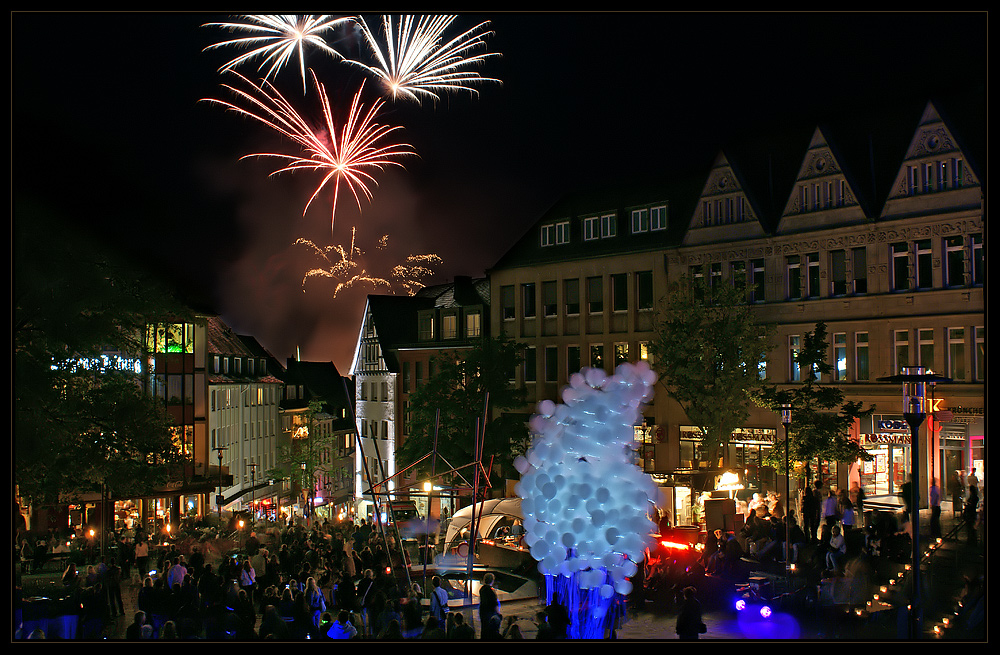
<point>220,450</point>
<point>915,380</point>
<point>786,419</point>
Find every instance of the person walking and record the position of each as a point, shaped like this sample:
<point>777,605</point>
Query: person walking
<point>934,498</point>
<point>689,620</point>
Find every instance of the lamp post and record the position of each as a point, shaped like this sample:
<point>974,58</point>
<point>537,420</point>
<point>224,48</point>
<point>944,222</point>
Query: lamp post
<point>220,450</point>
<point>786,419</point>
<point>914,380</point>
<point>253,488</point>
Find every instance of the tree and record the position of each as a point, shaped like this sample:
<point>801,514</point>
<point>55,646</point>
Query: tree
<point>459,390</point>
<point>309,453</point>
<point>708,350</point>
<point>80,427</point>
<point>821,419</point>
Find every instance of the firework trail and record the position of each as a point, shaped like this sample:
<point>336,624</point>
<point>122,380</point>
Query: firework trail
<point>340,265</point>
<point>280,38</point>
<point>417,63</point>
<point>346,153</point>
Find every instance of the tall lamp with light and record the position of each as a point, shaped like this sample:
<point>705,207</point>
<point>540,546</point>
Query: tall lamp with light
<point>786,420</point>
<point>915,380</point>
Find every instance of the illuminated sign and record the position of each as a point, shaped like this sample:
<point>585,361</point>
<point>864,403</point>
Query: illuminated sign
<point>102,363</point>
<point>892,425</point>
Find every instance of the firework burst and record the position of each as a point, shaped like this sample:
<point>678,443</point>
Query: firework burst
<point>417,63</point>
<point>348,153</point>
<point>340,265</point>
<point>277,39</point>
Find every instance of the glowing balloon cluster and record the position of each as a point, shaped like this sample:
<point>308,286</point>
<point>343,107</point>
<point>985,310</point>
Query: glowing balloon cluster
<point>584,501</point>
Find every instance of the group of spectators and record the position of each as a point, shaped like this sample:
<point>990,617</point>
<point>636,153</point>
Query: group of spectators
<point>329,581</point>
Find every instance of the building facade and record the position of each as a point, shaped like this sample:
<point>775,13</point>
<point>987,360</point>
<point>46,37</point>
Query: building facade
<point>397,343</point>
<point>888,252</point>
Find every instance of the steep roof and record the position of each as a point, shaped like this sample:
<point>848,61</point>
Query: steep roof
<point>678,194</point>
<point>320,380</point>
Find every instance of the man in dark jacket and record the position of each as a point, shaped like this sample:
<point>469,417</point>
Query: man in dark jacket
<point>689,623</point>
<point>489,607</point>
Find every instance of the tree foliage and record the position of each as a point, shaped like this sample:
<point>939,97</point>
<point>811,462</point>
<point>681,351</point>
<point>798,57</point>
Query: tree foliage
<point>306,457</point>
<point>821,418</point>
<point>459,391</point>
<point>78,428</point>
<point>708,349</point>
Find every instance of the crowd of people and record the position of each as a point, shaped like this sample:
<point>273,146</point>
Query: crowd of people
<point>835,527</point>
<point>328,581</point>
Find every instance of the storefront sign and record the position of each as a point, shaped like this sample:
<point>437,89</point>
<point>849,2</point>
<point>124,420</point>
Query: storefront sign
<point>886,438</point>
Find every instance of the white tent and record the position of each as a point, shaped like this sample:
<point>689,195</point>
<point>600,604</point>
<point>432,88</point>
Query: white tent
<point>492,512</point>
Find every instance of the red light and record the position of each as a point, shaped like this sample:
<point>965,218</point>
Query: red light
<point>675,545</point>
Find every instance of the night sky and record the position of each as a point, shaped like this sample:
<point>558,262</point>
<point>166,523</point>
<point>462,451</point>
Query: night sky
<point>107,130</point>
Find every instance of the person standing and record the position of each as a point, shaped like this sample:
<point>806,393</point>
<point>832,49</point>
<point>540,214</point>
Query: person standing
<point>830,515</point>
<point>955,489</point>
<point>439,601</point>
<point>810,512</point>
<point>689,621</point>
<point>557,617</point>
<point>489,609</point>
<point>971,512</point>
<point>934,498</point>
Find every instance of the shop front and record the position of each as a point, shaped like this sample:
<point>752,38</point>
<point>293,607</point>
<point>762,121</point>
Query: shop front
<point>887,439</point>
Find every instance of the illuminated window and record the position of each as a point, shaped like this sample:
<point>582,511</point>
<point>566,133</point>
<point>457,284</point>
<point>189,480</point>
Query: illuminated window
<point>597,356</point>
<point>621,353</point>
<point>449,326</point>
<point>473,325</point>
<point>794,345</point>
<point>840,357</point>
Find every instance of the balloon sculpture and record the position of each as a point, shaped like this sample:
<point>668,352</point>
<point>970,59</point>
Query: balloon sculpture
<point>585,503</point>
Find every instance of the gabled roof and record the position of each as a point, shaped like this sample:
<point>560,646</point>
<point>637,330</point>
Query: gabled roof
<point>823,178</point>
<point>320,380</point>
<point>394,321</point>
<point>723,187</point>
<point>933,142</point>
<point>677,194</point>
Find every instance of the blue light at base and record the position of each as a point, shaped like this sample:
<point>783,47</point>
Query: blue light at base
<point>594,612</point>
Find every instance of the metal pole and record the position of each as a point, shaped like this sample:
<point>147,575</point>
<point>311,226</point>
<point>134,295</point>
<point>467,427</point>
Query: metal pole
<point>915,602</point>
